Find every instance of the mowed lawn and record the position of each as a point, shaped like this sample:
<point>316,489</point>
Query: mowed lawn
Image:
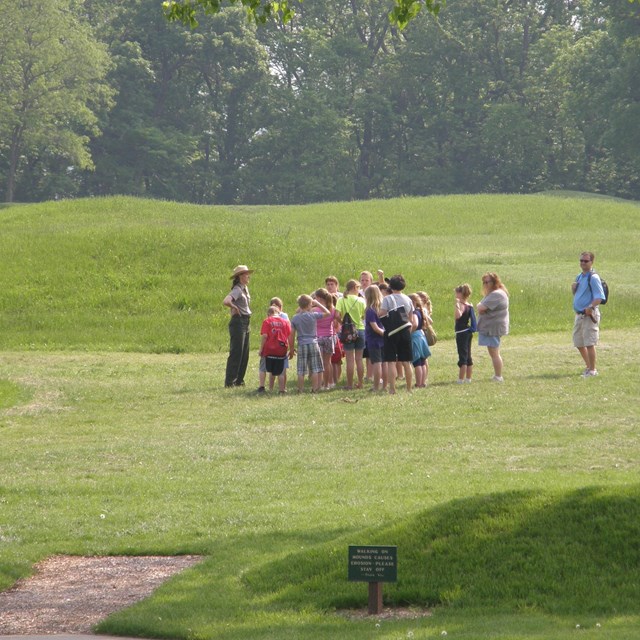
<point>515,507</point>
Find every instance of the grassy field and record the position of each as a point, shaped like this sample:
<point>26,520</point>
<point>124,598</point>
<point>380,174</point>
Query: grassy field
<point>515,507</point>
<point>122,274</point>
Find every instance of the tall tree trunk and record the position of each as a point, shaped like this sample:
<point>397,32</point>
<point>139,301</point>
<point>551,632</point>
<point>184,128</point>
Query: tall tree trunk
<point>14,158</point>
<point>228,157</point>
<point>362,187</point>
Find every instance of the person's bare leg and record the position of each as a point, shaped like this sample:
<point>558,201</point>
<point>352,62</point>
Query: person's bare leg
<point>337,372</point>
<point>350,357</point>
<point>408,374</point>
<point>359,368</point>
<point>496,359</point>
<point>585,355</point>
<point>591,355</point>
<point>391,378</point>
<point>376,375</point>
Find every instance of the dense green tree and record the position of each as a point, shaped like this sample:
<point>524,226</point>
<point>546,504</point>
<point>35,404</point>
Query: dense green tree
<point>304,157</point>
<point>230,73</point>
<point>150,134</point>
<point>347,72</point>
<point>546,86</point>
<point>334,102</point>
<point>327,58</point>
<point>400,12</point>
<point>477,100</point>
<point>52,73</point>
<point>582,87</point>
<point>622,137</point>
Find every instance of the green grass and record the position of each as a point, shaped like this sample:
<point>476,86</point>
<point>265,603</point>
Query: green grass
<point>122,274</point>
<point>10,394</point>
<point>495,551</point>
<point>515,507</point>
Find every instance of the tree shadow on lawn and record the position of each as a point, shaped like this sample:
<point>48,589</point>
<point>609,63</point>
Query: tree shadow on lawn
<point>559,553</point>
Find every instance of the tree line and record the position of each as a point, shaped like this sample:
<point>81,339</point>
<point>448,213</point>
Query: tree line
<point>100,97</point>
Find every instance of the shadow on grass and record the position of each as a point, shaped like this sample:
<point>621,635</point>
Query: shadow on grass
<point>577,552</point>
<point>573,375</point>
<point>12,394</point>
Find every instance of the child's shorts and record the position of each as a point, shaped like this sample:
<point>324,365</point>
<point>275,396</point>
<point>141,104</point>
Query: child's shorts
<point>326,344</point>
<point>275,364</point>
<point>309,359</point>
<point>262,367</point>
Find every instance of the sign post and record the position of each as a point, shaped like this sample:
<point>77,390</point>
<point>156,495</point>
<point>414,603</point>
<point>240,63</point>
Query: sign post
<point>375,565</point>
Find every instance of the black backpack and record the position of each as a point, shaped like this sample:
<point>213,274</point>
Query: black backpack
<point>605,288</point>
<point>349,331</point>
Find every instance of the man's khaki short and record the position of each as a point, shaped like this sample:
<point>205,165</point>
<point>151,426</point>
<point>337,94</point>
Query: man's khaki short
<point>585,331</point>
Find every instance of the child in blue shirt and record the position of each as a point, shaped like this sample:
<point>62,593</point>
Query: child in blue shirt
<point>304,325</point>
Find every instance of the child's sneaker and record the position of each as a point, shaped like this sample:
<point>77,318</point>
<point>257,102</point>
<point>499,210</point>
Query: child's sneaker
<point>589,373</point>
<point>498,379</point>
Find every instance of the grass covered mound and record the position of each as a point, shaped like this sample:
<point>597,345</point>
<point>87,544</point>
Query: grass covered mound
<point>556,553</point>
<point>125,274</point>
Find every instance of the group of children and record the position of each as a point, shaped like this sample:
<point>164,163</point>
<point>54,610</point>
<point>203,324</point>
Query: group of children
<point>313,336</point>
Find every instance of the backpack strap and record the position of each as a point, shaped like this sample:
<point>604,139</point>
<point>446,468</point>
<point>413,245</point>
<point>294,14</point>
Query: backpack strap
<point>353,306</point>
<point>589,283</point>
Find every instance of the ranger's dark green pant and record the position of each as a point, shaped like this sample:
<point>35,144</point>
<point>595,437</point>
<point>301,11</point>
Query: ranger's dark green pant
<point>238,359</point>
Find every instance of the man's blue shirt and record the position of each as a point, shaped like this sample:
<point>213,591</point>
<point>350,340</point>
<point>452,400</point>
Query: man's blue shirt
<point>584,295</point>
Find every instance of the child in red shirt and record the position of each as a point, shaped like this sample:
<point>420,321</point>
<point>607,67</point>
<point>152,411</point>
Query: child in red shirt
<point>274,336</point>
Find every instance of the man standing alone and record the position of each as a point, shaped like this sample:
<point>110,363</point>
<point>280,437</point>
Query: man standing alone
<point>587,296</point>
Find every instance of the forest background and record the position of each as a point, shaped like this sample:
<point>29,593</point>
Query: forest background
<point>102,97</point>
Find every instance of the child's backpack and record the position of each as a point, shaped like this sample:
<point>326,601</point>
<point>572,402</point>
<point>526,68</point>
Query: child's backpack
<point>430,333</point>
<point>472,317</point>
<point>349,331</point>
<point>605,288</point>
<point>278,340</point>
<point>282,341</point>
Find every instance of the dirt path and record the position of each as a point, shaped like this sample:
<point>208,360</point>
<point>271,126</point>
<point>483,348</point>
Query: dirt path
<point>69,594</point>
